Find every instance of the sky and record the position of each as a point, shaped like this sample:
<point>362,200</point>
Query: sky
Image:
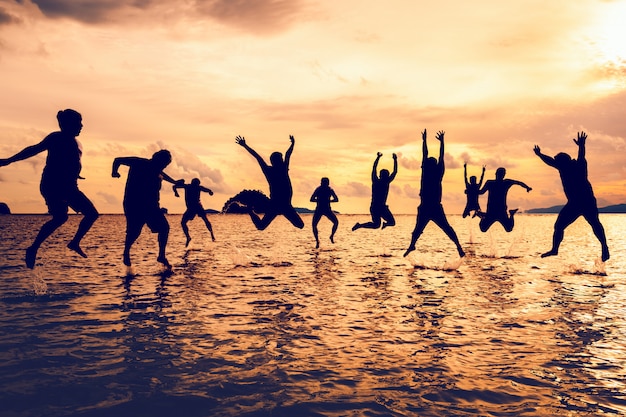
<point>347,78</point>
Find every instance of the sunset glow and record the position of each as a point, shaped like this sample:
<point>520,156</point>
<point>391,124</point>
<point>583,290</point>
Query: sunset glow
<point>347,79</point>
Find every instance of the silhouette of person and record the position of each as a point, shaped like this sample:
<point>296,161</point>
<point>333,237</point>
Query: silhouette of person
<point>472,190</point>
<point>430,208</point>
<point>380,190</point>
<point>496,202</point>
<point>277,175</point>
<point>59,182</point>
<point>580,198</point>
<point>194,206</point>
<point>141,199</point>
<point>323,196</point>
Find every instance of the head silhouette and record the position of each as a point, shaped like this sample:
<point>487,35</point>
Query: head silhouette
<point>70,121</point>
<point>430,163</point>
<point>384,174</point>
<point>325,182</point>
<point>276,158</point>
<point>162,158</point>
<point>473,179</point>
<point>500,173</point>
<point>562,158</point>
<point>195,181</point>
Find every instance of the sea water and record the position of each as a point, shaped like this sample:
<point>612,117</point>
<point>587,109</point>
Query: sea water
<point>263,324</point>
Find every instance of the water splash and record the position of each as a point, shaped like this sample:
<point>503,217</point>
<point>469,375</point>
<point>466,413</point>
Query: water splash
<point>238,257</point>
<point>39,285</point>
<point>452,265</point>
<point>599,266</point>
<point>492,247</point>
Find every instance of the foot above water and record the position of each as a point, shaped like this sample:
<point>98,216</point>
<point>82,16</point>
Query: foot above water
<point>76,248</point>
<point>31,256</point>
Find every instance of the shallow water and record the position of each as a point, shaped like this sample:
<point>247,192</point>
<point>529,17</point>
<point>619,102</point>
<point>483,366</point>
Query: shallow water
<point>262,323</point>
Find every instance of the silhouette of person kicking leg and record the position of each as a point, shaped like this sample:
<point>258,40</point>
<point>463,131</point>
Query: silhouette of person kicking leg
<point>323,196</point>
<point>380,190</point>
<point>496,202</point>
<point>194,206</point>
<point>580,198</point>
<point>59,182</point>
<point>281,191</point>
<point>430,208</point>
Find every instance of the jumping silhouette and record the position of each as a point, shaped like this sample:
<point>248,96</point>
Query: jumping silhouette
<point>277,175</point>
<point>580,198</point>
<point>496,202</point>
<point>323,196</point>
<point>472,190</point>
<point>59,182</point>
<point>380,190</point>
<point>430,208</point>
<point>141,199</point>
<point>194,206</point>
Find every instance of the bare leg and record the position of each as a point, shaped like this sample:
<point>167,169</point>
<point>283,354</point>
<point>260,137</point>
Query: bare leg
<point>133,230</point>
<point>46,230</point>
<point>316,220</point>
<point>89,218</point>
<point>162,237</point>
<point>417,232</point>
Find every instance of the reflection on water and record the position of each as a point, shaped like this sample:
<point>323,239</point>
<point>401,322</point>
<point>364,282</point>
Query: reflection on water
<point>262,323</point>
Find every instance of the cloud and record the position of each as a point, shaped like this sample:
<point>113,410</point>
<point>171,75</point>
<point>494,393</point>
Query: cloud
<point>87,11</point>
<point>261,17</point>
<point>7,19</point>
<point>355,189</point>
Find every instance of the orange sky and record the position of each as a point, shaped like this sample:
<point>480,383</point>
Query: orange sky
<point>347,78</point>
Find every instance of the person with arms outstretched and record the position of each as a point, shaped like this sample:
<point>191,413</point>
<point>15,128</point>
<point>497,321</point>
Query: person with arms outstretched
<point>281,191</point>
<point>323,196</point>
<point>580,198</point>
<point>141,199</point>
<point>59,182</point>
<point>430,208</point>
<point>379,209</point>
<point>496,202</point>
<point>194,205</point>
<point>472,190</point>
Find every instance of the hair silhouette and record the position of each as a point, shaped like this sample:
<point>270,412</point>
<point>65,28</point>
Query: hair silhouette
<point>580,198</point>
<point>430,208</point>
<point>194,206</point>
<point>472,190</point>
<point>496,202</point>
<point>141,199</point>
<point>323,196</point>
<point>59,182</point>
<point>379,209</point>
<point>281,191</point>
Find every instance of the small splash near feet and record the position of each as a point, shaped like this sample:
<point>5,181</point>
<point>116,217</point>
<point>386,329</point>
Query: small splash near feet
<point>599,266</point>
<point>39,285</point>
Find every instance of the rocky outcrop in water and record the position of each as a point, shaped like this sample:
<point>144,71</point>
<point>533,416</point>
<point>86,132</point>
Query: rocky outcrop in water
<point>4,208</point>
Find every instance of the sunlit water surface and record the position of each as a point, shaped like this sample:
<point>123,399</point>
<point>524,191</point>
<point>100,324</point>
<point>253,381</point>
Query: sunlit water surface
<point>262,323</point>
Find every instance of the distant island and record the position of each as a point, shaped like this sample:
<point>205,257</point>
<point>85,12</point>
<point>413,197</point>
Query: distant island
<point>616,208</point>
<point>4,208</point>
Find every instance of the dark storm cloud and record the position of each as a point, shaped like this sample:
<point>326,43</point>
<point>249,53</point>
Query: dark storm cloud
<point>88,11</point>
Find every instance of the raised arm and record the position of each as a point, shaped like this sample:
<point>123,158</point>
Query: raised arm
<point>175,188</point>
<point>465,174</point>
<point>126,160</point>
<point>395,167</point>
<point>25,153</point>
<point>523,185</point>
<point>289,150</point>
<point>545,158</point>
<point>482,176</point>
<point>424,148</point>
<point>582,139</point>
<point>439,137</point>
<point>206,190</point>
<point>242,142</point>
<point>375,167</point>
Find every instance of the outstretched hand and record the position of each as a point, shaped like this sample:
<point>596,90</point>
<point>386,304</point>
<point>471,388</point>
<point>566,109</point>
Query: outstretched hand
<point>115,174</point>
<point>439,136</point>
<point>424,135</point>
<point>379,154</point>
<point>4,162</point>
<point>240,140</point>
<point>537,149</point>
<point>394,156</point>
<point>292,139</point>
<point>582,137</point>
